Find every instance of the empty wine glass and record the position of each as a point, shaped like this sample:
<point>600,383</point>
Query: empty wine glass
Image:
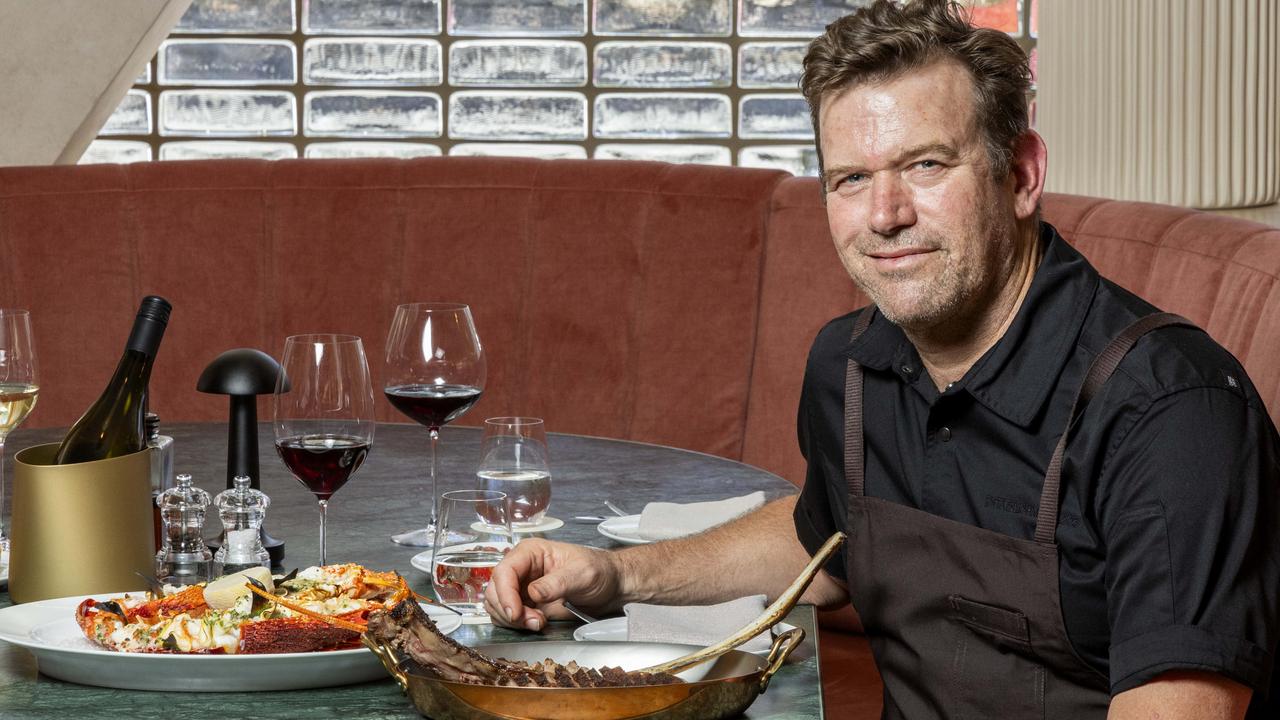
<point>514,460</point>
<point>323,410</point>
<point>435,373</point>
<point>472,535</point>
<point>18,387</point>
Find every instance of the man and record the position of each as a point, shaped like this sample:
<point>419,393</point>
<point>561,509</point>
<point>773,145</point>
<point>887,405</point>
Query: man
<point>1128,571</point>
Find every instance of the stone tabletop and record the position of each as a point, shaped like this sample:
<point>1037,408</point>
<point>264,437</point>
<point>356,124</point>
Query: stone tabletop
<point>385,496</point>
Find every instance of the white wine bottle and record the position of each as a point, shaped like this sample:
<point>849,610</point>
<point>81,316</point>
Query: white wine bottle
<point>114,424</point>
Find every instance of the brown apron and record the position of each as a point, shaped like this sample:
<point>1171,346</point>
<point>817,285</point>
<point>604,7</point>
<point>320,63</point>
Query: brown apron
<point>966,622</point>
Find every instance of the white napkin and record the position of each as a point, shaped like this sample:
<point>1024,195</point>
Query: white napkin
<point>664,520</point>
<point>696,624</point>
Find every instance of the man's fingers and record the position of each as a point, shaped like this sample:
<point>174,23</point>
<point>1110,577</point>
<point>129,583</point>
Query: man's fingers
<point>529,585</point>
<point>504,587</point>
<point>547,588</point>
<point>503,597</point>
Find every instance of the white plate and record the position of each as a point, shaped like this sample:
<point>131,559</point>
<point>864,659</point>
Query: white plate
<point>625,529</point>
<point>615,630</point>
<point>48,628</point>
<point>547,524</point>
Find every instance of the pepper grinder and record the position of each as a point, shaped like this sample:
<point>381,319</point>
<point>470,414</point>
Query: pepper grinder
<point>183,558</point>
<point>243,374</point>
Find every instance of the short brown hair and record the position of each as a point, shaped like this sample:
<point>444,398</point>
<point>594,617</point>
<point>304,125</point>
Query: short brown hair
<point>884,40</point>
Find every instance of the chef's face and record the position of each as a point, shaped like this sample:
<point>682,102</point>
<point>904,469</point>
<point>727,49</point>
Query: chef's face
<point>920,223</point>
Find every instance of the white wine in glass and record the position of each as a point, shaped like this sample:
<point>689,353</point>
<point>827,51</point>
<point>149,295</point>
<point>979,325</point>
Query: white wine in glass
<point>18,385</point>
<point>435,372</point>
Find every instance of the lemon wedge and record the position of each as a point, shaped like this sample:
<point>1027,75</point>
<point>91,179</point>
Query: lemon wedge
<point>223,593</point>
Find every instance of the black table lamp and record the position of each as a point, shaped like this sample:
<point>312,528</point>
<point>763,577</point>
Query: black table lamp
<point>243,374</point>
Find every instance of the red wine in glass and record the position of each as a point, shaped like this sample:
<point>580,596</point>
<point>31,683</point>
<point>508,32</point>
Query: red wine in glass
<point>323,411</point>
<point>435,372</point>
<point>433,405</point>
<point>323,463</point>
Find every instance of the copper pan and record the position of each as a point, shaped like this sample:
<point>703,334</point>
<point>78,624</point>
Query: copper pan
<point>720,682</point>
<point>723,687</point>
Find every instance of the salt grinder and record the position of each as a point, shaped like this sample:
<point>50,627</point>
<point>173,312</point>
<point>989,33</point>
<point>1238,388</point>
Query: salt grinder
<point>243,374</point>
<point>183,559</point>
<point>242,510</point>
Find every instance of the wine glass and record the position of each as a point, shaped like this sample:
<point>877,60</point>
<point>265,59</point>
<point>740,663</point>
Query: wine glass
<point>18,388</point>
<point>473,534</point>
<point>513,460</point>
<point>435,373</point>
<point>323,410</point>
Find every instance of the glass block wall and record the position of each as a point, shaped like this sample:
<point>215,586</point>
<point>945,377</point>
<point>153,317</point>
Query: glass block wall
<point>705,81</point>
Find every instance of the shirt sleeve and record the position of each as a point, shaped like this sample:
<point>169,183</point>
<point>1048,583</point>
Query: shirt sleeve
<point>1188,509</point>
<point>814,519</point>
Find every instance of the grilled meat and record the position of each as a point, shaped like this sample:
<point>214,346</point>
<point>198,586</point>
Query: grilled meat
<point>408,630</point>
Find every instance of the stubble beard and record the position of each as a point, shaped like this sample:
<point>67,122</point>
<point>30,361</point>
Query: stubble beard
<point>918,302</point>
<point>912,299</point>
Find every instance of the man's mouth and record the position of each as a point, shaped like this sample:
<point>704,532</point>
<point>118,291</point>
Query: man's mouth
<point>899,258</point>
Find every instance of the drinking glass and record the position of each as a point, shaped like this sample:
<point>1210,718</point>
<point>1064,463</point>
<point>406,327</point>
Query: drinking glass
<point>18,387</point>
<point>472,535</point>
<point>435,373</point>
<point>323,411</point>
<point>514,460</point>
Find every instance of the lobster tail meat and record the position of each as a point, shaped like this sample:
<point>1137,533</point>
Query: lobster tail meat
<point>319,608</point>
<point>293,635</point>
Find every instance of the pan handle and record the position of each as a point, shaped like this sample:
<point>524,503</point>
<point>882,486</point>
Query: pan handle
<point>388,659</point>
<point>782,647</point>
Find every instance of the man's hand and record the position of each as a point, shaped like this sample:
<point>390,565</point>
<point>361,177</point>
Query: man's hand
<point>1182,695</point>
<point>529,586</point>
<point>758,553</point>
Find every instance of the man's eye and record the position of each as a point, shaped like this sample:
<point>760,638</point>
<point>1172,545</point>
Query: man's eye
<point>928,164</point>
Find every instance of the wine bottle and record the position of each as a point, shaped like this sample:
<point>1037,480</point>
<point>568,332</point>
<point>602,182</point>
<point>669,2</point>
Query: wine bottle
<point>113,425</point>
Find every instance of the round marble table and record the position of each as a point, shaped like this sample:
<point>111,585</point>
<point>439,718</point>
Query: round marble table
<point>387,495</point>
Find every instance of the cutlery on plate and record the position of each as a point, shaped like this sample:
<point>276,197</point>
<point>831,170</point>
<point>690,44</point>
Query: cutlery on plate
<point>617,510</point>
<point>578,613</point>
<point>589,518</point>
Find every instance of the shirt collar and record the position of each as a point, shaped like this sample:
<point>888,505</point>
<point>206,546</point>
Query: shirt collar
<point>1015,377</point>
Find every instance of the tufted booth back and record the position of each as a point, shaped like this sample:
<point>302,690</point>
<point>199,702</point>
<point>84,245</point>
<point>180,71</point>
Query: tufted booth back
<point>663,303</point>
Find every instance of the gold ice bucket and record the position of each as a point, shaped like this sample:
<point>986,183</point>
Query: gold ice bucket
<point>80,528</point>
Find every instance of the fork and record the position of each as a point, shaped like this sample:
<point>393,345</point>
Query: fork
<point>578,613</point>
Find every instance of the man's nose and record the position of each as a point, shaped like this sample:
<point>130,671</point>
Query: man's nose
<point>892,206</point>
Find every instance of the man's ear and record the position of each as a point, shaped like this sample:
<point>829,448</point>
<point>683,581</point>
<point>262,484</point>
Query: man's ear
<point>1026,172</point>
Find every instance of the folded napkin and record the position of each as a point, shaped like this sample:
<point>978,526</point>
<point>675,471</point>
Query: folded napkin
<point>664,520</point>
<point>696,624</point>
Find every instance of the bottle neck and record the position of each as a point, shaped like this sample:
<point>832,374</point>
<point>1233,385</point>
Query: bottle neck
<point>145,336</point>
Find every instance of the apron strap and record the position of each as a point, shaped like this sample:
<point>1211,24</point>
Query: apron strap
<point>854,465</point>
<point>1099,372</point>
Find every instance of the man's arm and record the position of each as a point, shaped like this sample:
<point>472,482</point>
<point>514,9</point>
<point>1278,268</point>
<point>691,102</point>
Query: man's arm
<point>1183,695</point>
<point>758,553</point>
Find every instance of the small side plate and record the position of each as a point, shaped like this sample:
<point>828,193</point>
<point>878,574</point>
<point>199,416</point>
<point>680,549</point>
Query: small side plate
<point>625,529</point>
<point>615,630</point>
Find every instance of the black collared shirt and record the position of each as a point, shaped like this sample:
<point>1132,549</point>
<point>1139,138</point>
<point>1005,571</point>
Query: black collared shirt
<point>1168,533</point>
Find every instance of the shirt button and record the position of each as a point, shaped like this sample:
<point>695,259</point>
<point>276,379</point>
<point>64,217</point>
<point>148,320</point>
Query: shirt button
<point>907,370</point>
<point>945,434</point>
